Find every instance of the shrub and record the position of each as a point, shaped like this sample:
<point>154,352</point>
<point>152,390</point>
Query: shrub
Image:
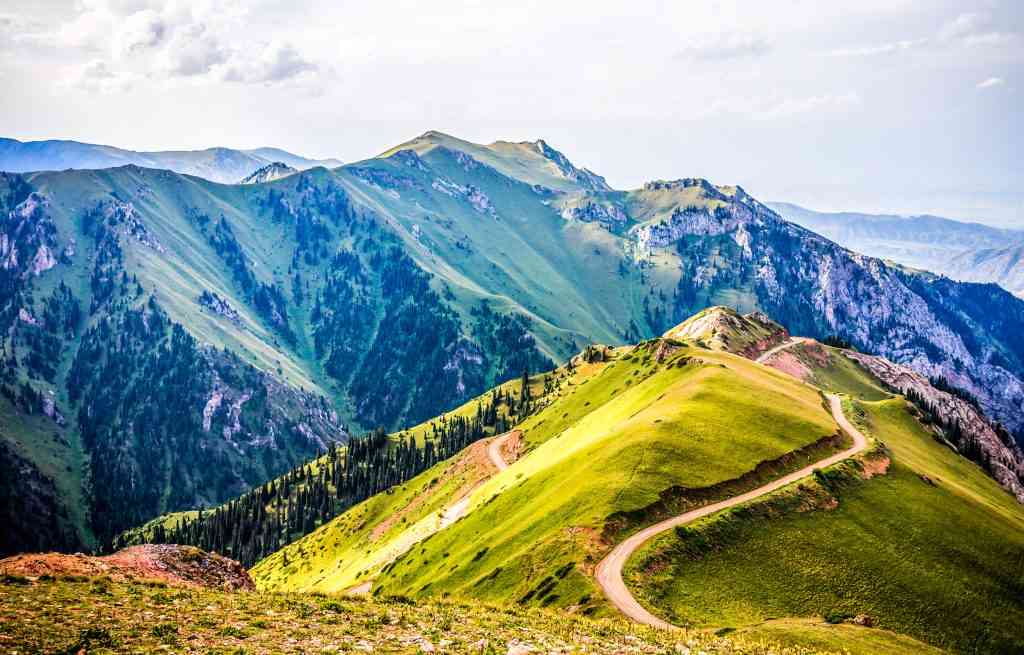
<point>836,616</point>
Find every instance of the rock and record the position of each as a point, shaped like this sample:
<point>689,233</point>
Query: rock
<point>864,620</point>
<point>519,648</point>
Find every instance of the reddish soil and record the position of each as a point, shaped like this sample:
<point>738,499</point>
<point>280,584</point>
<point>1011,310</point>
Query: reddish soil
<point>182,566</point>
<point>788,363</point>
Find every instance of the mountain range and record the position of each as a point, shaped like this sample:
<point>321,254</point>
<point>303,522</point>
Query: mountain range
<point>171,341</point>
<point>217,164</point>
<point>971,252</point>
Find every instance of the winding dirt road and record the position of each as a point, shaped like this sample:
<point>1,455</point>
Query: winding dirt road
<point>788,343</point>
<point>494,450</point>
<point>609,571</point>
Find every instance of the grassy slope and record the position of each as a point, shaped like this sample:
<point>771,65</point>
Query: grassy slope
<point>610,444</point>
<point>891,542</point>
<point>100,616</point>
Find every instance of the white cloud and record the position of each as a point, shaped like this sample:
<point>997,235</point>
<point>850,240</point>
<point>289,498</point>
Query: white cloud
<point>991,82</point>
<point>192,50</point>
<point>275,62</point>
<point>722,46</point>
<point>818,104</point>
<point>880,49</point>
<point>139,40</point>
<point>95,76</point>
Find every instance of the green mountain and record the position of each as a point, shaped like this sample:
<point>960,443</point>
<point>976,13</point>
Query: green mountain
<point>906,533</point>
<point>171,342</point>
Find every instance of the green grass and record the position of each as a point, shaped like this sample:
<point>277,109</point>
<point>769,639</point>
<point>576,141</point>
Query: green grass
<point>832,371</point>
<point>614,443</point>
<point>843,637</point>
<point>102,616</point>
<point>940,561</point>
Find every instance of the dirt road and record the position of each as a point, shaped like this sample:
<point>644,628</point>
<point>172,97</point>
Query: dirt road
<point>788,343</point>
<point>609,571</point>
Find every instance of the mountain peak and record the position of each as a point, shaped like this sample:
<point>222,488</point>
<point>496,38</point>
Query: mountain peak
<point>272,171</point>
<point>723,328</point>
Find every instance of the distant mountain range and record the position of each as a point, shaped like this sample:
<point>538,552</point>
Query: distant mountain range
<point>223,165</point>
<point>971,252</point>
<point>170,342</point>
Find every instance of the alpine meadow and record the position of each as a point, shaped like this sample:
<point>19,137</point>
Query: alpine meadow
<point>468,395</point>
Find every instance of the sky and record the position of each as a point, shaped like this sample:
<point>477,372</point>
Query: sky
<point>877,106</point>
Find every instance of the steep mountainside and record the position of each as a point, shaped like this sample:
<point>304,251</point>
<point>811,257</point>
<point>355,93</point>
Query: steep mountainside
<point>217,164</point>
<point>971,252</point>
<point>997,264</point>
<point>250,326</point>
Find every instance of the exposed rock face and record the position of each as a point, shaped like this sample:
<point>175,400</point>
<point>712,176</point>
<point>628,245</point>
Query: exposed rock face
<point>273,171</point>
<point>594,210</point>
<point>722,328</point>
<point>28,238</point>
<point>935,326</point>
<point>220,307</point>
<point>123,217</point>
<point>1005,461</point>
<point>182,566</point>
<point>581,176</point>
<point>469,193</point>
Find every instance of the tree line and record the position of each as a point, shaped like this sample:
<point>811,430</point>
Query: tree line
<point>273,515</point>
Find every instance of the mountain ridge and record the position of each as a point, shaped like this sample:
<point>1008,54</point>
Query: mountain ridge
<point>218,164</point>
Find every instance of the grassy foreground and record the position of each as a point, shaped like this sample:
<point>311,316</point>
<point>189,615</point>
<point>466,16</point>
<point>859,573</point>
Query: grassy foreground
<point>100,616</point>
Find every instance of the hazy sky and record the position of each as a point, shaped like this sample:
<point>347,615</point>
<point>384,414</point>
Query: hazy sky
<point>907,106</point>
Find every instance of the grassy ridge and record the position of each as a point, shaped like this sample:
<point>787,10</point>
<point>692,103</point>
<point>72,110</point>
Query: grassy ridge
<point>612,443</point>
<point>933,549</point>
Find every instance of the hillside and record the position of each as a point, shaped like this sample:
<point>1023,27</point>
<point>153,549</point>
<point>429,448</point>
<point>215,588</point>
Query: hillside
<point>838,545</point>
<point>971,252</point>
<point>648,419</point>
<point>633,435</point>
<point>280,318</point>
<point>224,165</point>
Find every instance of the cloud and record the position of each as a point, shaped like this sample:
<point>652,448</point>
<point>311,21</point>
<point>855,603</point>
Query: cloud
<point>879,49</point>
<point>968,29</point>
<point>991,82</point>
<point>95,76</point>
<point>275,62</point>
<point>192,50</point>
<point>962,26</point>
<point>140,31</point>
<point>719,47</point>
<point>818,104</point>
<point>200,41</point>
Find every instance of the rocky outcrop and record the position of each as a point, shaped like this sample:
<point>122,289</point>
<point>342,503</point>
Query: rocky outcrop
<point>28,238</point>
<point>584,178</point>
<point>723,328</point>
<point>468,193</point>
<point>1004,461</point>
<point>273,171</point>
<point>219,306</point>
<point>180,566</point>
<point>589,209</point>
